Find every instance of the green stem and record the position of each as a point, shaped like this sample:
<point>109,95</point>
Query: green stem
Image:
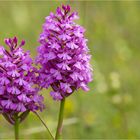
<point>16,126</point>
<point>60,120</point>
<point>44,125</point>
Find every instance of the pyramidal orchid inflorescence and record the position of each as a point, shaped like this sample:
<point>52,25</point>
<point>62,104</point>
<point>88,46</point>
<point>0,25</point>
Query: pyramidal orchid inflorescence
<point>63,54</point>
<point>18,90</point>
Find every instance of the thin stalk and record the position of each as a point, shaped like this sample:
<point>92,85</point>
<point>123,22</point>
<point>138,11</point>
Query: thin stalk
<point>60,120</point>
<point>44,125</point>
<point>16,126</point>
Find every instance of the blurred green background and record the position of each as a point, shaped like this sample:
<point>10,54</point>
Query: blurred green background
<point>111,108</point>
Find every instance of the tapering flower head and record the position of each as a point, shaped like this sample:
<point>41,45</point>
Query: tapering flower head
<point>18,91</point>
<point>63,54</point>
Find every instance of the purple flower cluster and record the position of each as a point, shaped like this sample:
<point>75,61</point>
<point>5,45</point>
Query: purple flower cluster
<point>18,91</point>
<point>63,54</point>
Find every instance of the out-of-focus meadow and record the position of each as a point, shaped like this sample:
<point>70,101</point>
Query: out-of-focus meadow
<point>111,108</point>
